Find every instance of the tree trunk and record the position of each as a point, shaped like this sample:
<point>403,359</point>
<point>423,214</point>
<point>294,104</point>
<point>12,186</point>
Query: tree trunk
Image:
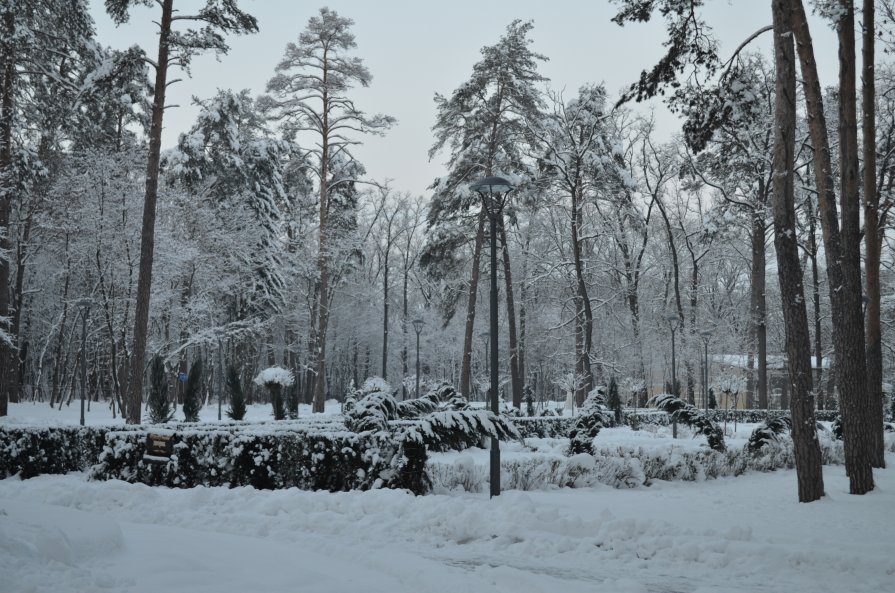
<point>404,314</point>
<point>759,305</point>
<point>872,244</point>
<point>7,351</point>
<point>515,375</point>
<point>845,302</point>
<point>809,471</point>
<point>385,312</point>
<point>857,424</point>
<point>466,363</point>
<point>147,235</point>
<point>815,293</point>
<point>584,323</point>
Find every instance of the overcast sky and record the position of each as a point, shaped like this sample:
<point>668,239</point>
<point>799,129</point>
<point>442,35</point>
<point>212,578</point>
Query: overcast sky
<point>415,48</point>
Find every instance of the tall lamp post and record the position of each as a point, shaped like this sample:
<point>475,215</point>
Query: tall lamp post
<point>673,322</point>
<point>706,336</point>
<point>84,306</point>
<point>493,191</point>
<point>418,327</point>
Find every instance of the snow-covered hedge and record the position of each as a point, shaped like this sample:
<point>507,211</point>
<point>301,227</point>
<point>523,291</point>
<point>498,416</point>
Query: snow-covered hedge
<point>619,466</point>
<point>34,450</point>
<point>309,460</point>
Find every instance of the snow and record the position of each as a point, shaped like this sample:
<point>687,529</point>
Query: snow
<point>744,534</point>
<point>276,375</point>
<point>65,534</point>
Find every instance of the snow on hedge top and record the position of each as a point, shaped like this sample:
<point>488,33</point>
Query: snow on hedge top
<point>277,375</point>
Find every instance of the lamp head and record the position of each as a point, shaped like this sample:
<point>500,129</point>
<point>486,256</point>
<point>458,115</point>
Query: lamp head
<point>418,325</point>
<point>493,191</point>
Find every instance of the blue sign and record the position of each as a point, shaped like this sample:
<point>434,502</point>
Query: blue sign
<point>182,377</point>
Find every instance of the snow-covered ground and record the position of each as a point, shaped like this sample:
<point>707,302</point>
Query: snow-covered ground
<point>746,534</point>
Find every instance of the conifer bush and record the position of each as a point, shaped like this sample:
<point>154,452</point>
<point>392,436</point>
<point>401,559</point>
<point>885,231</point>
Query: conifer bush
<point>237,409</point>
<point>159,408</point>
<point>192,393</point>
<point>593,417</point>
<point>691,416</point>
<point>615,402</point>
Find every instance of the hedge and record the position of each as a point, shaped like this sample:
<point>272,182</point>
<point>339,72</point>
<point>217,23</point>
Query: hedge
<point>308,460</point>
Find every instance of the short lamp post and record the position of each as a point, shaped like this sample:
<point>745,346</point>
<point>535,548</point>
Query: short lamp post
<point>674,323</point>
<point>493,191</point>
<point>418,328</point>
<point>84,307</point>
<point>706,336</point>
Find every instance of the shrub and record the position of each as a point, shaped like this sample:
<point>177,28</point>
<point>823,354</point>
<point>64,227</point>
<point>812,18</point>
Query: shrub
<point>276,379</point>
<point>769,432</point>
<point>592,417</point>
<point>157,404</point>
<point>615,402</point>
<point>192,393</point>
<point>237,409</point>
<point>691,416</point>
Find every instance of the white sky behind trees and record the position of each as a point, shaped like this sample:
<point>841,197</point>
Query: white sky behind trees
<point>415,48</point>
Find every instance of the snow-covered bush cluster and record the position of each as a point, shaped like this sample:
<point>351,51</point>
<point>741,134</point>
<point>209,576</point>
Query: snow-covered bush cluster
<point>267,459</point>
<point>32,451</point>
<point>593,416</point>
<point>692,416</point>
<point>621,466</point>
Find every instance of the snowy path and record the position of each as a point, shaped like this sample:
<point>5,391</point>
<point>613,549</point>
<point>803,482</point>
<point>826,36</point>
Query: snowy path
<point>745,534</point>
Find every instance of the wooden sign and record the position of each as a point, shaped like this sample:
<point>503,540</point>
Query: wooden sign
<point>159,447</point>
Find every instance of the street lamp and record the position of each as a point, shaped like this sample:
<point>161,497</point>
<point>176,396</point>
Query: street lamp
<point>84,306</point>
<point>674,322</point>
<point>493,191</point>
<point>706,336</point>
<point>418,327</point>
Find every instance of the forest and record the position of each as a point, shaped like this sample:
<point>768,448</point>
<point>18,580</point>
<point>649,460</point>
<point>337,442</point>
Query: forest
<point>756,235</point>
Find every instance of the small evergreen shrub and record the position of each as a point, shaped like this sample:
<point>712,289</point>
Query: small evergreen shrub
<point>276,379</point>
<point>192,393</point>
<point>615,402</point>
<point>769,432</point>
<point>592,417</point>
<point>158,406</point>
<point>713,403</point>
<point>529,399</point>
<point>237,409</point>
<point>693,417</point>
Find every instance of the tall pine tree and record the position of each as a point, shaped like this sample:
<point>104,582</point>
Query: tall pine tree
<point>309,94</point>
<point>485,126</point>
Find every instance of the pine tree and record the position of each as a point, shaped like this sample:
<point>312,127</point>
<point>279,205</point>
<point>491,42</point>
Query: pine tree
<point>237,409</point>
<point>176,48</point>
<point>231,156</point>
<point>713,403</point>
<point>485,124</point>
<point>159,407</point>
<point>308,94</point>
<point>192,393</point>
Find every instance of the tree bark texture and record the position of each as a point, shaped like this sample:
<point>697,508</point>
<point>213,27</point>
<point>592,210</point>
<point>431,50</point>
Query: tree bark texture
<point>466,363</point>
<point>807,449</point>
<point>584,320</point>
<point>515,373</point>
<point>845,302</point>
<point>759,305</point>
<point>856,416</point>
<point>147,235</point>
<point>872,241</point>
